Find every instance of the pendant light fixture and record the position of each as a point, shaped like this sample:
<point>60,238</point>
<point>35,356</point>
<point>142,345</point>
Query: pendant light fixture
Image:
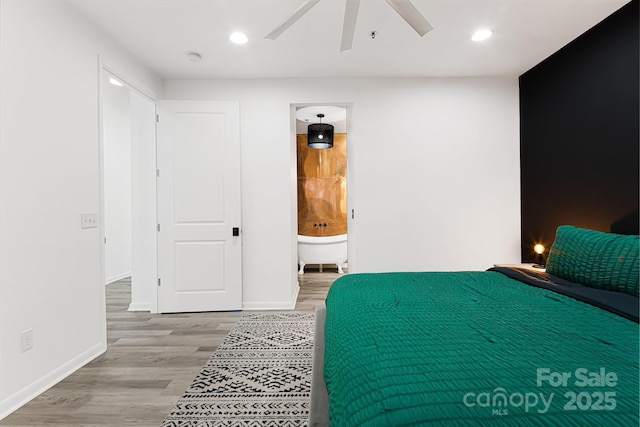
<point>320,135</point>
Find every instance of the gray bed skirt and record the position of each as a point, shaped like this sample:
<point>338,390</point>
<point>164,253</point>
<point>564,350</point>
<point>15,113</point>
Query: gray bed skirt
<point>319,410</point>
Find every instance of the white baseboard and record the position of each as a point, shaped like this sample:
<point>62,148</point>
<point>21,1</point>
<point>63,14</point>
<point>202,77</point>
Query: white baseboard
<point>15,401</point>
<point>139,306</point>
<point>296,291</point>
<point>272,305</point>
<point>117,277</point>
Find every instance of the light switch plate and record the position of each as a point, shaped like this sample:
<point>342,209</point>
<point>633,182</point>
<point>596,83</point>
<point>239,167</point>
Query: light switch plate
<point>26,340</point>
<point>88,220</point>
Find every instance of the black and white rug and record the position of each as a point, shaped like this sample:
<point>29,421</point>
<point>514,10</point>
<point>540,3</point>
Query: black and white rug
<point>259,376</point>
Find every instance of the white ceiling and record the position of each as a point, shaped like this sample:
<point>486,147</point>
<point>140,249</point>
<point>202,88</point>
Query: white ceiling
<point>162,32</point>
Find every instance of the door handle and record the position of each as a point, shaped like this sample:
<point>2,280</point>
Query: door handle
<point>236,231</point>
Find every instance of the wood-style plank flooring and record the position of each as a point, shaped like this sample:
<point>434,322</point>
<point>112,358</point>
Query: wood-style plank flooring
<point>150,361</point>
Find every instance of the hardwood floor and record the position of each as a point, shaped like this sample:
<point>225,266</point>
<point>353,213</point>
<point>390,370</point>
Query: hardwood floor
<point>150,361</point>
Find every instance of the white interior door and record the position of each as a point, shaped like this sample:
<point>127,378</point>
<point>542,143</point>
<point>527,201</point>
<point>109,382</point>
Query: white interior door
<point>199,247</point>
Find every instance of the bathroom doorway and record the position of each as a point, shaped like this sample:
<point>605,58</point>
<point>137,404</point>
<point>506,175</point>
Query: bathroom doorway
<point>321,189</point>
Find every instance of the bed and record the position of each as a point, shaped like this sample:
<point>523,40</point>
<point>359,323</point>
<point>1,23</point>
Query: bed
<point>506,346</point>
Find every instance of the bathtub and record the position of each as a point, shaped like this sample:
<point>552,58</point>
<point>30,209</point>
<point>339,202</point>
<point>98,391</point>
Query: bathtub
<point>322,250</point>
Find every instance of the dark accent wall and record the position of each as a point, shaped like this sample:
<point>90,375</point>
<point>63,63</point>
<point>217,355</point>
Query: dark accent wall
<point>579,134</point>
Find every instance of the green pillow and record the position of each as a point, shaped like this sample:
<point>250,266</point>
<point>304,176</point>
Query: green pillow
<point>596,259</point>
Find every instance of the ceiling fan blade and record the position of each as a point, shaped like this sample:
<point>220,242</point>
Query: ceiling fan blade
<point>297,14</point>
<point>409,13</point>
<point>349,25</point>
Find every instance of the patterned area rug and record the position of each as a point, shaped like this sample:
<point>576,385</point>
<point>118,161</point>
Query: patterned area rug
<point>259,376</point>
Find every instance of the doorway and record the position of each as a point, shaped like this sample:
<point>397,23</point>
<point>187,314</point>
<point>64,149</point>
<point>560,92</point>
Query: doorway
<point>321,188</point>
<point>128,195</point>
<point>116,136</point>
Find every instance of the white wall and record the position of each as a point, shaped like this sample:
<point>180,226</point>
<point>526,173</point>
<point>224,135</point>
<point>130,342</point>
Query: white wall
<point>116,128</point>
<point>144,269</point>
<point>433,164</point>
<point>51,277</point>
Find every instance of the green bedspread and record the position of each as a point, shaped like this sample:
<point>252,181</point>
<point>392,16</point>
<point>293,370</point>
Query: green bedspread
<point>474,348</point>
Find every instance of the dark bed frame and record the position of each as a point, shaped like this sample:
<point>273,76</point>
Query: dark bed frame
<point>319,411</point>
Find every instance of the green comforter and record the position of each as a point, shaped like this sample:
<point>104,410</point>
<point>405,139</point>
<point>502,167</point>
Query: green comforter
<point>474,348</point>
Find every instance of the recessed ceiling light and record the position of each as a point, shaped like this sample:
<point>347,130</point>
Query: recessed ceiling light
<point>194,56</point>
<point>115,82</point>
<point>238,38</point>
<point>481,35</point>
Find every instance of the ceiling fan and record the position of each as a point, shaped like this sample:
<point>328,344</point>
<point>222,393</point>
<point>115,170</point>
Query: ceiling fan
<point>404,8</point>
